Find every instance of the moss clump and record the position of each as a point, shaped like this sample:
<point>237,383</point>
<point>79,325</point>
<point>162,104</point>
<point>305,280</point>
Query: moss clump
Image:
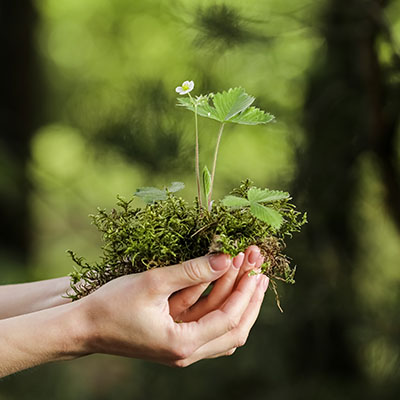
<point>171,231</point>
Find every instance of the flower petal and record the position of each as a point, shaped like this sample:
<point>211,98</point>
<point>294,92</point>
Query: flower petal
<point>186,87</point>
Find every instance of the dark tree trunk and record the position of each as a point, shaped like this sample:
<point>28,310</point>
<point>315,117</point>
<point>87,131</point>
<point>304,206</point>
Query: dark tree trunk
<point>17,123</point>
<point>347,113</point>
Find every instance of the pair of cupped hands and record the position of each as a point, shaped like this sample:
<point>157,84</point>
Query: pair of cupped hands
<point>162,315</point>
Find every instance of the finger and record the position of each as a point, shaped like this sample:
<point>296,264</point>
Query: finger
<point>223,286</point>
<point>223,320</point>
<point>259,262</point>
<point>238,260</point>
<point>168,280</point>
<point>222,289</point>
<point>223,354</point>
<point>251,257</point>
<point>181,301</point>
<point>237,337</point>
<point>191,360</point>
<point>229,342</point>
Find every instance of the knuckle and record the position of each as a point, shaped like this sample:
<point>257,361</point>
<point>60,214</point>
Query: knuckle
<point>150,277</point>
<point>241,341</point>
<point>180,363</point>
<point>179,352</point>
<point>186,302</point>
<point>193,270</point>
<point>233,323</point>
<point>152,282</point>
<point>230,352</point>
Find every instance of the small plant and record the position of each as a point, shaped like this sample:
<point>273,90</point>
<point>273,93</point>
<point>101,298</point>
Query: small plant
<point>168,230</point>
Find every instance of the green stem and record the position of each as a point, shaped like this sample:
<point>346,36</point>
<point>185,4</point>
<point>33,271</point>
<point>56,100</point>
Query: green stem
<point>197,162</point>
<point>221,129</point>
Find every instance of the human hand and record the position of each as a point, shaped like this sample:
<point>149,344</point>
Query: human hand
<point>135,315</point>
<point>185,304</point>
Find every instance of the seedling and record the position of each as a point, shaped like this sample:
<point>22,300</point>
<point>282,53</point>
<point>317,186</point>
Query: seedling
<point>167,230</point>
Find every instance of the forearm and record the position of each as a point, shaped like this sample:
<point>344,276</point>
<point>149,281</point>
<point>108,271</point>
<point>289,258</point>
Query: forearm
<point>40,337</point>
<point>26,298</point>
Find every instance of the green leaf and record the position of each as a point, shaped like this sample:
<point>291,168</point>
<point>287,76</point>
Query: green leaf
<point>265,195</point>
<point>252,116</point>
<point>204,110</point>
<point>175,187</point>
<point>267,214</point>
<point>230,103</point>
<point>151,194</point>
<point>234,201</point>
<point>185,102</point>
<point>231,106</point>
<point>206,182</point>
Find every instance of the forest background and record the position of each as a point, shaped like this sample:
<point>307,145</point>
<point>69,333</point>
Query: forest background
<point>88,111</point>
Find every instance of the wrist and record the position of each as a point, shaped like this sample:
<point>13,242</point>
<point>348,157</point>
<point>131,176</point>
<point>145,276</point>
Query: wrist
<point>56,334</point>
<point>77,331</point>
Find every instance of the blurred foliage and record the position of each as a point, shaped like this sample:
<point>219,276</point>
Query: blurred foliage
<point>108,124</point>
<point>222,27</point>
<point>145,133</point>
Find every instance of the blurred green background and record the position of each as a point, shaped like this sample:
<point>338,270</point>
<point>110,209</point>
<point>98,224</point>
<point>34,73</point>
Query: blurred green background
<point>88,112</point>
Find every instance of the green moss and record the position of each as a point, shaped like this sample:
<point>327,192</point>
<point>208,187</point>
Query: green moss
<point>170,231</point>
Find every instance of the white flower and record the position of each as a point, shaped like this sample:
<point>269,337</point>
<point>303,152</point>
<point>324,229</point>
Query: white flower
<point>186,87</point>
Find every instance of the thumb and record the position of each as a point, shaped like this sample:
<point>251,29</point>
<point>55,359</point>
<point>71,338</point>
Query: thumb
<point>192,272</point>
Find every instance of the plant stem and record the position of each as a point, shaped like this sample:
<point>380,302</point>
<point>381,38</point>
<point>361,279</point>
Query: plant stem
<point>221,129</point>
<point>197,151</point>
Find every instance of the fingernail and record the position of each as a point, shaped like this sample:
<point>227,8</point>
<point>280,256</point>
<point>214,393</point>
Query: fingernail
<point>253,256</point>
<point>219,262</point>
<point>238,260</point>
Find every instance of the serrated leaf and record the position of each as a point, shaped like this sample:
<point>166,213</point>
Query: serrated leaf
<point>232,102</point>
<point>206,181</point>
<point>267,214</point>
<point>252,116</point>
<point>229,106</point>
<point>265,195</point>
<point>176,186</point>
<point>151,194</point>
<point>234,201</point>
<point>204,110</point>
<point>185,102</point>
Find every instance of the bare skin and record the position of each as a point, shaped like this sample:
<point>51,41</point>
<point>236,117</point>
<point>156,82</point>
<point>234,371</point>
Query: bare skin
<point>31,297</point>
<point>157,315</point>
